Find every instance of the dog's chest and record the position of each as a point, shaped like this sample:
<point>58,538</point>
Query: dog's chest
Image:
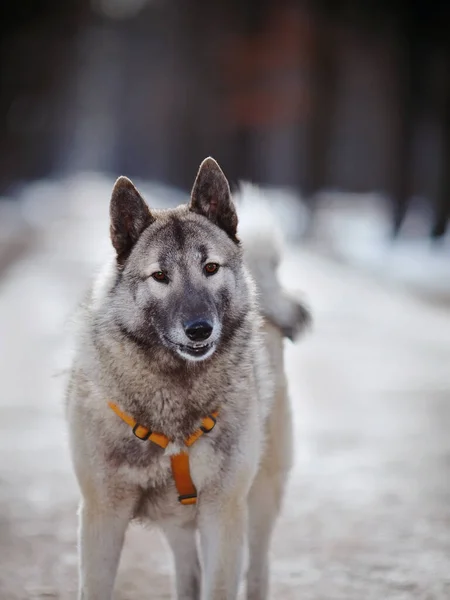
<point>139,456</point>
<point>151,476</point>
<point>147,468</point>
<point>161,502</point>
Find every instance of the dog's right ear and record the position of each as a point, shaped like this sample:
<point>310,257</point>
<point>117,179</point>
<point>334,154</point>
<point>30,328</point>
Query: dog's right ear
<point>129,216</point>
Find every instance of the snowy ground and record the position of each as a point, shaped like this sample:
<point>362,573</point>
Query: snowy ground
<point>367,514</point>
<point>356,229</point>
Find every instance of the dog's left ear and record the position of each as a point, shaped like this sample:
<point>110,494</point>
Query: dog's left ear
<point>211,197</point>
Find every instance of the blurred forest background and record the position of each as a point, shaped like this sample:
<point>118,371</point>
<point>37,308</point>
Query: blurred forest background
<point>310,94</point>
<point>341,110</point>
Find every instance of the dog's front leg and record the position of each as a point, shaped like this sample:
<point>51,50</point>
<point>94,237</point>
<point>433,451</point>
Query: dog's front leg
<point>222,527</point>
<point>183,544</point>
<point>101,534</point>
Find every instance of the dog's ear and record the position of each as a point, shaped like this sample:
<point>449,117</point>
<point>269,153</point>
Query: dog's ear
<point>211,197</point>
<point>129,216</point>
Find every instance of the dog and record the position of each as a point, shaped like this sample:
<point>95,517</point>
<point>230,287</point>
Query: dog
<point>177,403</point>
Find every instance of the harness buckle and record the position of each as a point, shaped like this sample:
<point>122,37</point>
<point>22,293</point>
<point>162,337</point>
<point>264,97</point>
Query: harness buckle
<point>146,437</point>
<point>204,429</point>
<point>188,499</point>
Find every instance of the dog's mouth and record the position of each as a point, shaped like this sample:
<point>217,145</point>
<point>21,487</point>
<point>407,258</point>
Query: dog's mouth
<point>197,350</point>
<point>193,352</point>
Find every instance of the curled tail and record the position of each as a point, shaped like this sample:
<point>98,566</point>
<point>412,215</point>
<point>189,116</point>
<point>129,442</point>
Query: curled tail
<point>263,241</point>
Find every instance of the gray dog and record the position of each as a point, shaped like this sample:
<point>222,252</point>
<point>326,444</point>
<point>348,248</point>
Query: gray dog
<point>177,403</point>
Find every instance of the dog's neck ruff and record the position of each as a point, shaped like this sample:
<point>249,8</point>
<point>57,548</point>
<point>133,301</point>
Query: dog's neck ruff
<point>187,493</point>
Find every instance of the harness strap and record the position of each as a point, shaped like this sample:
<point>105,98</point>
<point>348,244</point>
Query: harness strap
<point>187,493</point>
<point>141,432</point>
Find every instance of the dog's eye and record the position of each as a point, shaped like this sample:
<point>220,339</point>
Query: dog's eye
<point>211,268</point>
<point>160,276</point>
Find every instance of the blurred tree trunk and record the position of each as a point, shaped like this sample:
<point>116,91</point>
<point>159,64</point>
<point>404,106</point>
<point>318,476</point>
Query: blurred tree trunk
<point>442,203</point>
<point>322,104</point>
<point>413,53</point>
<point>36,48</point>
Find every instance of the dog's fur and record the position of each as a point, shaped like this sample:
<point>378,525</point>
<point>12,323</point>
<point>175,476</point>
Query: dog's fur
<point>133,350</point>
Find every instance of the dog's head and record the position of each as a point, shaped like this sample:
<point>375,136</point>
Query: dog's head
<point>180,288</point>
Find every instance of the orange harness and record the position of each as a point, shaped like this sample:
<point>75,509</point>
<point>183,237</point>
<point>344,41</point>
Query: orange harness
<point>187,493</point>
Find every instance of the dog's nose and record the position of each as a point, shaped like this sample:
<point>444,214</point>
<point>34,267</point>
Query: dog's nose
<point>199,330</point>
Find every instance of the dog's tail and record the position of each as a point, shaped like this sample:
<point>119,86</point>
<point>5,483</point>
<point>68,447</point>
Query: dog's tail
<point>263,240</point>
